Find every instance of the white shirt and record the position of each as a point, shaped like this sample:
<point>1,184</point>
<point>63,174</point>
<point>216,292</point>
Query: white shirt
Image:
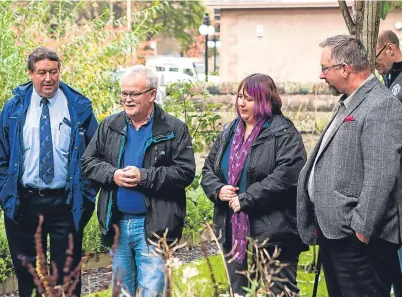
<point>61,131</point>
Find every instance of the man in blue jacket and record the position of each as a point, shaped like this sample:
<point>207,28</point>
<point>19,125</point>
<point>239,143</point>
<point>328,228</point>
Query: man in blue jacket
<point>44,130</point>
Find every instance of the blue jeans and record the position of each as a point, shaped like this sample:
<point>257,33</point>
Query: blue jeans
<point>141,269</point>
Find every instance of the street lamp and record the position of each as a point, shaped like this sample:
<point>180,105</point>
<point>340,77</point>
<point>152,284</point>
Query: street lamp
<point>214,44</point>
<point>206,29</point>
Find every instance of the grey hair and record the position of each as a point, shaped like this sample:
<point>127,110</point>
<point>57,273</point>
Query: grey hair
<point>42,53</point>
<point>147,73</point>
<point>349,50</point>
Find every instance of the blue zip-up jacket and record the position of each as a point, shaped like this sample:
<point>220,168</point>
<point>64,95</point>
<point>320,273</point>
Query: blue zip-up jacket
<point>80,193</point>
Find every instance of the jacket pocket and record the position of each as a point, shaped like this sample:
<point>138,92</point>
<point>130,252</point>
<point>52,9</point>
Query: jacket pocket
<point>63,136</point>
<point>166,215</point>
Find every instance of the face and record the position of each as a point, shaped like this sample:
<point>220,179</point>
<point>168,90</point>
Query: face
<point>330,71</point>
<point>137,98</point>
<point>246,106</point>
<point>45,77</point>
<point>383,61</point>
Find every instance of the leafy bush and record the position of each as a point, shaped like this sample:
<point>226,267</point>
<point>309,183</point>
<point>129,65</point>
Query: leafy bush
<point>203,123</point>
<point>5,257</point>
<point>88,52</point>
<point>92,237</point>
<point>199,210</point>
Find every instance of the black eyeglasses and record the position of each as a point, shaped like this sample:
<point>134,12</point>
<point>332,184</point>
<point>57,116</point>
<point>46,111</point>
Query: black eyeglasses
<point>125,95</point>
<point>380,52</point>
<point>326,69</point>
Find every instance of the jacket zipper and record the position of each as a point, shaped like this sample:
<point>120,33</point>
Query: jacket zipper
<point>112,194</point>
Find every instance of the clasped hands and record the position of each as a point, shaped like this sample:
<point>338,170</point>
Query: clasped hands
<point>128,177</point>
<point>228,194</point>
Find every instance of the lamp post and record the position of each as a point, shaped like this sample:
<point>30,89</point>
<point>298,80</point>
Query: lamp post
<point>214,44</point>
<point>206,29</point>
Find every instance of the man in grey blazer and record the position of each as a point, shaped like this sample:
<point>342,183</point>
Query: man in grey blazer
<point>347,191</point>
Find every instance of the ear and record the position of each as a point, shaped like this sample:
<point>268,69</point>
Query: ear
<point>153,96</point>
<point>31,73</point>
<point>391,49</point>
<point>345,70</point>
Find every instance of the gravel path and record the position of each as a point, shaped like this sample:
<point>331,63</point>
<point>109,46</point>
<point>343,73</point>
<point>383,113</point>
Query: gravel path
<point>96,279</point>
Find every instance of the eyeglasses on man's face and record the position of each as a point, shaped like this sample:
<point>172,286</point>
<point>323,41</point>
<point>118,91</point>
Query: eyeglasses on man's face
<point>325,70</point>
<point>132,95</point>
<point>380,52</point>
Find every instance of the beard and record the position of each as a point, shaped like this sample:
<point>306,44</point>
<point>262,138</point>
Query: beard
<point>333,90</point>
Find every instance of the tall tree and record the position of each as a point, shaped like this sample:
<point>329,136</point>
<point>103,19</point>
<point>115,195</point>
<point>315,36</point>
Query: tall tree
<point>364,21</point>
<point>179,19</point>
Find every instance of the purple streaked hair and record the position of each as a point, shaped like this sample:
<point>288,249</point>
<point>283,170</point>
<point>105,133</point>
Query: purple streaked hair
<point>263,90</point>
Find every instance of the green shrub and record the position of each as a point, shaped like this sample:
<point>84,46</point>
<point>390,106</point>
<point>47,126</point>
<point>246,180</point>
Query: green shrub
<point>199,210</point>
<point>92,237</point>
<point>6,266</point>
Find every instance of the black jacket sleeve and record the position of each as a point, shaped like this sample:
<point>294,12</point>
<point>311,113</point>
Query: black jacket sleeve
<point>290,158</point>
<point>95,168</point>
<point>210,182</point>
<point>181,171</point>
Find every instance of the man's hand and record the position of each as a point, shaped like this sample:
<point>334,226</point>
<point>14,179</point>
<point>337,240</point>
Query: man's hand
<point>227,193</point>
<point>127,177</point>
<point>362,238</point>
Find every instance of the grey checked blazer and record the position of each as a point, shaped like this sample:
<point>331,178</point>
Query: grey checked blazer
<point>357,181</point>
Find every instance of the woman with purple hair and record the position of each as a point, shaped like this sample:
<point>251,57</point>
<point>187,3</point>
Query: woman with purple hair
<point>251,176</point>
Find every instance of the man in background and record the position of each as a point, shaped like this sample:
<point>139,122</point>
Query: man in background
<point>388,62</point>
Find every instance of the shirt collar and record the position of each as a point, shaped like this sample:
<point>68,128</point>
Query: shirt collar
<point>38,98</point>
<point>146,122</point>
<point>346,102</point>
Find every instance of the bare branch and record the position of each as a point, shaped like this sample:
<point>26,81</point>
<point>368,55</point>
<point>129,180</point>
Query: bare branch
<point>347,17</point>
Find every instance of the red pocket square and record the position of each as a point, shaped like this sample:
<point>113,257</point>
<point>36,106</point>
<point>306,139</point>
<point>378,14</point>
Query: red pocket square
<point>349,118</point>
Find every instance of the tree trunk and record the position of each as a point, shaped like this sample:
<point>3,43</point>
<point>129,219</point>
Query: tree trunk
<point>364,24</point>
<point>370,29</point>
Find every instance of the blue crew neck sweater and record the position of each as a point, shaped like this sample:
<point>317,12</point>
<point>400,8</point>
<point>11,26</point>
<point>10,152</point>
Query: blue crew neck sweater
<point>130,201</point>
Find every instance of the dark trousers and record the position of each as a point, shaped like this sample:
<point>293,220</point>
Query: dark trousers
<point>58,224</point>
<point>288,273</point>
<point>355,269</point>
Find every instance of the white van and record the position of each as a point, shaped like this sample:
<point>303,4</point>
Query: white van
<point>173,69</point>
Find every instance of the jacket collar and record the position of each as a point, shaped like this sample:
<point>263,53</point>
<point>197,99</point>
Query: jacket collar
<point>160,126</point>
<point>278,124</point>
<point>75,100</point>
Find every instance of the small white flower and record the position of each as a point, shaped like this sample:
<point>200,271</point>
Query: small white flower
<point>188,273</point>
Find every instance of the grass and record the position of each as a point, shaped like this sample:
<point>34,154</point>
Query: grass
<point>201,284</point>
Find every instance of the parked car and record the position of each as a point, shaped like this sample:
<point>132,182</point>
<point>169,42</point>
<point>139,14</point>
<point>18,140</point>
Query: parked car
<point>173,69</point>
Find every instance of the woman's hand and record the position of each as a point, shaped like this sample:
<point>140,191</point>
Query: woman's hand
<point>227,193</point>
<point>234,204</point>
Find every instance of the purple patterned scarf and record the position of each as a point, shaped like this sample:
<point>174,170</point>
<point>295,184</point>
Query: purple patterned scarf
<point>237,158</point>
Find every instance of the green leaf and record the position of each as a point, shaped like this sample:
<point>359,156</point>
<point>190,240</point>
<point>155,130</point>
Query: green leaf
<point>388,6</point>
